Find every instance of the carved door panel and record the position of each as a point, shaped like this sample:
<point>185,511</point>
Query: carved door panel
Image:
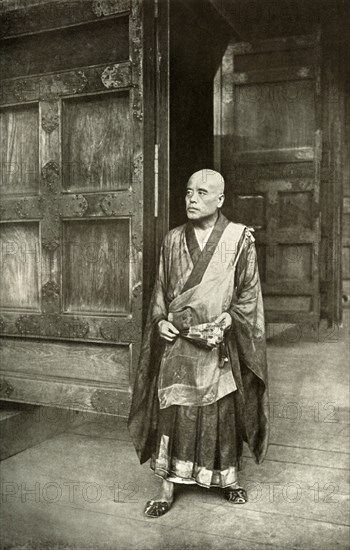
<point>268,147</point>
<point>72,195</point>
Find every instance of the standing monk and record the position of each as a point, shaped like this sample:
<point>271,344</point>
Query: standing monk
<point>201,383</point>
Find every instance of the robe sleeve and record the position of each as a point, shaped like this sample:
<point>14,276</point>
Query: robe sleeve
<point>247,339</point>
<point>143,417</point>
<point>246,308</point>
<point>158,308</point>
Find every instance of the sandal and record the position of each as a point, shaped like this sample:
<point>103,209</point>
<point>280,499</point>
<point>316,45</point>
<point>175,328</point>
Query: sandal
<point>236,496</point>
<point>156,508</point>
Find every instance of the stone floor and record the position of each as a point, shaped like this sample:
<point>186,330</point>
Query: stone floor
<point>85,489</point>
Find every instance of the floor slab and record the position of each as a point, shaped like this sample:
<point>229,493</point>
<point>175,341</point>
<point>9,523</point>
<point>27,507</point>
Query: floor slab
<point>85,489</point>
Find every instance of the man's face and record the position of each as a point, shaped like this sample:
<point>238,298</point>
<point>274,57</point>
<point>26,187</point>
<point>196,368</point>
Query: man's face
<point>204,196</point>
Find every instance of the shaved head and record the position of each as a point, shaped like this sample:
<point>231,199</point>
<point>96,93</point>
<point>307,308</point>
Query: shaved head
<point>204,196</point>
<point>213,179</point>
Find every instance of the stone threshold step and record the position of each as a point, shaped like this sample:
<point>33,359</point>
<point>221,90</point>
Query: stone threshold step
<point>23,426</point>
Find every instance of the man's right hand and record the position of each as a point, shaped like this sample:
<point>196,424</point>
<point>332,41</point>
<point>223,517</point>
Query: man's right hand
<point>167,331</point>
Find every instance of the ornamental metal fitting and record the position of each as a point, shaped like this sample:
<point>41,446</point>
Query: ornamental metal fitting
<point>138,166</point>
<point>137,290</point>
<point>50,245</point>
<point>50,174</point>
<point>52,87</point>
<point>109,330</point>
<point>110,204</point>
<point>51,295</point>
<point>127,332</point>
<point>54,326</point>
<point>74,205</point>
<point>50,116</point>
<point>20,90</point>
<point>116,76</point>
<point>28,325</point>
<point>50,290</point>
<point>23,208</point>
<point>137,107</point>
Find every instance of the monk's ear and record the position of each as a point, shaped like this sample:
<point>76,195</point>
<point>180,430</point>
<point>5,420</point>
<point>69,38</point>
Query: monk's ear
<point>221,200</point>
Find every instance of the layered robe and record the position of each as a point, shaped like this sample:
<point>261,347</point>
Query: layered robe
<point>179,379</point>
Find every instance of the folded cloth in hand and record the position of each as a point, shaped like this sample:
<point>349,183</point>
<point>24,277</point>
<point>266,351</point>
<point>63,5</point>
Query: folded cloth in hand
<point>209,335</point>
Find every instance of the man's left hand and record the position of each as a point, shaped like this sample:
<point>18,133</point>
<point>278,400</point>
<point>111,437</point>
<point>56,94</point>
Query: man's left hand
<point>224,320</point>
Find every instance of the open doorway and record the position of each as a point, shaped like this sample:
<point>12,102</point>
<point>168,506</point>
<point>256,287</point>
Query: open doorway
<point>198,39</point>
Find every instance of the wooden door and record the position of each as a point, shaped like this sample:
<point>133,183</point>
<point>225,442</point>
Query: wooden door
<point>72,203</point>
<point>268,147</point>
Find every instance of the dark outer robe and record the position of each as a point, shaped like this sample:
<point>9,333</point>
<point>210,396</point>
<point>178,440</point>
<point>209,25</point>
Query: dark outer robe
<point>245,342</point>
